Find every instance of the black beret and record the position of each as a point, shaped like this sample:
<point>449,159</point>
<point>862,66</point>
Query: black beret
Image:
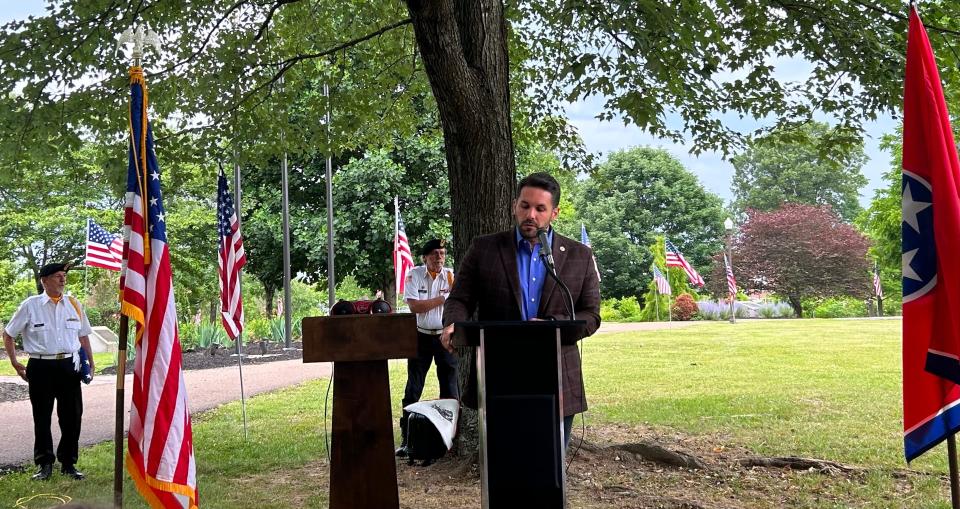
<point>431,245</point>
<point>53,268</point>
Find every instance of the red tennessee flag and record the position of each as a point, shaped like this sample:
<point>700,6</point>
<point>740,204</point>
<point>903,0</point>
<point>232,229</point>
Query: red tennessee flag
<point>931,247</point>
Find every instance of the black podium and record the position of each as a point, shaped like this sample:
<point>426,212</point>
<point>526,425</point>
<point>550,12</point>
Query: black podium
<point>520,389</point>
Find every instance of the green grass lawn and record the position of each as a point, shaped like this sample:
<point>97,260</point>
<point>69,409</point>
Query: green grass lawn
<point>819,388</point>
<point>102,360</point>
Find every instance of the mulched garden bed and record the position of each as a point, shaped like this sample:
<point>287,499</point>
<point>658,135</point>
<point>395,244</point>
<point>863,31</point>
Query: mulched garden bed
<point>256,353</point>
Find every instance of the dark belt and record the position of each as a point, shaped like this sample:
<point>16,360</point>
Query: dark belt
<point>429,332</point>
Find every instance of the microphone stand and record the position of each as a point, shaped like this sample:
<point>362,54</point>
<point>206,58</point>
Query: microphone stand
<point>547,258</point>
<point>569,300</point>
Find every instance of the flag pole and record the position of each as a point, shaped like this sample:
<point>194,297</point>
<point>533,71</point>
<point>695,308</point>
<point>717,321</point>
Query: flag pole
<point>396,233</point>
<point>118,431</point>
<point>331,275</point>
<point>657,303</point>
<point>669,311</point>
<point>85,249</point>
<point>236,208</point>
<point>954,483</point>
<point>284,180</point>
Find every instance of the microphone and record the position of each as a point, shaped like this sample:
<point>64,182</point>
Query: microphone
<point>547,255</point>
<point>545,252</point>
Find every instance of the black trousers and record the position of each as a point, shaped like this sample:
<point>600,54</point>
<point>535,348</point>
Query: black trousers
<point>49,380</point>
<point>429,350</point>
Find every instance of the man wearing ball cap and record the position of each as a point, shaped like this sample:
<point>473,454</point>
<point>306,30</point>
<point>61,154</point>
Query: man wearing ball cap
<point>426,289</point>
<point>54,328</point>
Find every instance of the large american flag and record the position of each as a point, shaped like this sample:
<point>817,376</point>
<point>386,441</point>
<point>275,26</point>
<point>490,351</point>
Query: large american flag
<point>103,249</point>
<point>663,285</point>
<point>731,282</point>
<point>676,259</point>
<point>232,259</point>
<point>160,454</point>
<point>402,258</point>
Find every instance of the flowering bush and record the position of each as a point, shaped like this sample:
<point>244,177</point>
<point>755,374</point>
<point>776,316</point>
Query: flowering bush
<point>684,307</point>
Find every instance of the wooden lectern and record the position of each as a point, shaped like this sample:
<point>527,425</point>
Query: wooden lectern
<point>363,471</point>
<point>520,389</point>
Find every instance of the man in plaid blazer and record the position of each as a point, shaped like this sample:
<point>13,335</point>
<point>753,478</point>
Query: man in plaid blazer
<point>502,278</point>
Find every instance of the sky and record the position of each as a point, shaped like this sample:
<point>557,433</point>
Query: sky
<point>604,137</point>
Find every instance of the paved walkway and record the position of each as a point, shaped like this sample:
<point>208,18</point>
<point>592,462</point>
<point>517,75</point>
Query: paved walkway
<point>206,389</point>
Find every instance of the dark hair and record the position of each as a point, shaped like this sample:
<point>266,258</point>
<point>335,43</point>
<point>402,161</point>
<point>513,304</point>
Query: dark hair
<point>543,181</point>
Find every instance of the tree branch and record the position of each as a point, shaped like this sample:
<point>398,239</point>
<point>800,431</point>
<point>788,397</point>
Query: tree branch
<point>901,17</point>
<point>206,40</point>
<point>266,22</point>
<point>290,62</point>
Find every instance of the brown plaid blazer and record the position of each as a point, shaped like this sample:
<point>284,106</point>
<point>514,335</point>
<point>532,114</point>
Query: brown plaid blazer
<point>488,284</point>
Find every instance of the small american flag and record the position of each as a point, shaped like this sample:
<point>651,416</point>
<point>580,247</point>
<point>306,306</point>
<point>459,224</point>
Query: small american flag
<point>402,257</point>
<point>676,259</point>
<point>232,259</point>
<point>877,286</point>
<point>586,242</point>
<point>663,285</point>
<point>731,282</point>
<point>103,249</point>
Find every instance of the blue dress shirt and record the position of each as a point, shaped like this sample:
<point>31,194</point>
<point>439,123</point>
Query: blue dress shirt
<point>532,271</point>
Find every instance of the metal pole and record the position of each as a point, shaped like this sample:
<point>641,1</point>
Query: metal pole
<point>331,275</point>
<point>396,235</point>
<point>876,272</point>
<point>287,325</point>
<point>656,304</point>
<point>733,296</point>
<point>118,430</point>
<point>954,484</point>
<point>236,208</point>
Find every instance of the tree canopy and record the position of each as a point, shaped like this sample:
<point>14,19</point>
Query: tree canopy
<point>790,165</point>
<point>800,251</point>
<point>634,196</point>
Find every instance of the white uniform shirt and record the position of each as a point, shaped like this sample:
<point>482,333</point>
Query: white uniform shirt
<point>49,328</point>
<point>420,286</point>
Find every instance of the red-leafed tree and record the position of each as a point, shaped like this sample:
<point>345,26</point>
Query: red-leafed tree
<point>801,251</point>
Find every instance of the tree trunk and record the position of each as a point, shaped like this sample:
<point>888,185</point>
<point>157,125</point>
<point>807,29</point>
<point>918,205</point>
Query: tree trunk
<point>796,305</point>
<point>389,287</point>
<point>268,294</point>
<point>463,44</point>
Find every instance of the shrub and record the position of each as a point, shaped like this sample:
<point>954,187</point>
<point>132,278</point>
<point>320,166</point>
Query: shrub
<point>188,336</point>
<point>839,307</point>
<point>609,311</point>
<point>257,329</point>
<point>209,334</point>
<point>626,309</point>
<point>684,308</point>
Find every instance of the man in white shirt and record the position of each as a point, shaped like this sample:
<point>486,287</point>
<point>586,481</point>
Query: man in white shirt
<point>425,289</point>
<point>54,328</point>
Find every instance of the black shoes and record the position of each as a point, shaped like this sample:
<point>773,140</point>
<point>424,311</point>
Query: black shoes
<point>402,452</point>
<point>43,473</point>
<point>72,472</point>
